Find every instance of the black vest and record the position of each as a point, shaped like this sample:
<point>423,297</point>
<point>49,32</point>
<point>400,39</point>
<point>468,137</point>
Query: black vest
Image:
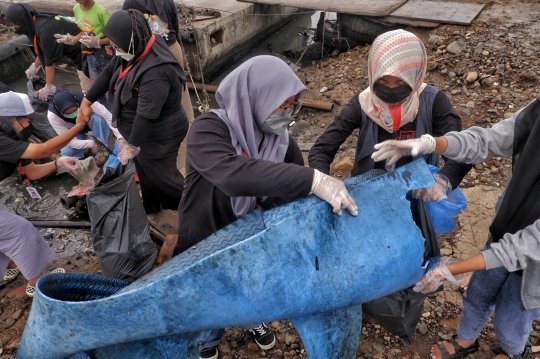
<point>368,135</point>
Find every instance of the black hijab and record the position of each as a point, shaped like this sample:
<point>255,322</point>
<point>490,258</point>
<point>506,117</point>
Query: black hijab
<point>125,27</point>
<point>23,15</point>
<point>64,99</point>
<point>152,7</point>
<point>521,204</point>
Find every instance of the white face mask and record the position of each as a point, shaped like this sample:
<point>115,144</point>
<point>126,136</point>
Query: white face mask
<point>125,55</point>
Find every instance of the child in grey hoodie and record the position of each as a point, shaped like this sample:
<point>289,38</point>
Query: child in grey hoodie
<point>507,277</point>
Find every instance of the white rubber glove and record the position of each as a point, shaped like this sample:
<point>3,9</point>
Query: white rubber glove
<point>65,39</point>
<point>128,152</point>
<point>32,71</point>
<point>43,94</point>
<point>396,149</point>
<point>439,275</point>
<point>334,192</point>
<point>437,191</point>
<point>66,164</point>
<point>90,41</point>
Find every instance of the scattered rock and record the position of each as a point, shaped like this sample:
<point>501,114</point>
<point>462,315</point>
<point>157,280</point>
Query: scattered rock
<point>456,47</point>
<point>472,77</point>
<point>17,314</point>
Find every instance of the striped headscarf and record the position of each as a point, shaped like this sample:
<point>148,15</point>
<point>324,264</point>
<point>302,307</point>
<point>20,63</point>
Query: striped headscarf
<point>401,54</point>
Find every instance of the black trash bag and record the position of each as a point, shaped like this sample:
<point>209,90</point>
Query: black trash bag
<point>400,312</point>
<point>120,229</point>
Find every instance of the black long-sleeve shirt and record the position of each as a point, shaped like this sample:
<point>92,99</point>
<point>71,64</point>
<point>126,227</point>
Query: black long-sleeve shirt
<point>445,120</point>
<point>154,112</point>
<point>215,173</point>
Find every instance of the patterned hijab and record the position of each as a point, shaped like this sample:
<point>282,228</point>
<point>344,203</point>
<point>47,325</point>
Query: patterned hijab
<point>401,54</point>
<point>246,97</point>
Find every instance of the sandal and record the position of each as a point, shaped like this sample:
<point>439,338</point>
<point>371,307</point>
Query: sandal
<point>11,274</point>
<point>496,349</point>
<point>460,352</point>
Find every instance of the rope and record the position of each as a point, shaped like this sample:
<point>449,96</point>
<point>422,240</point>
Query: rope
<point>204,106</point>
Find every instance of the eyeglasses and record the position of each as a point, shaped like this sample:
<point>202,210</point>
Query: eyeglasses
<point>293,110</point>
<point>116,48</point>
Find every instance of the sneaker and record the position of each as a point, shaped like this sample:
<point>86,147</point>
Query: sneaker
<point>263,336</point>
<point>11,274</point>
<point>58,270</point>
<point>31,290</point>
<point>209,353</point>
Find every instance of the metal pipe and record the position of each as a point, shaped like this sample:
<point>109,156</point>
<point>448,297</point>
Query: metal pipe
<point>60,224</point>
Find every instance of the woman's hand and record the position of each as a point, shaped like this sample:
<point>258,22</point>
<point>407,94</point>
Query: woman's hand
<point>334,192</point>
<point>127,152</point>
<point>394,149</point>
<point>437,276</point>
<point>85,112</point>
<point>437,191</point>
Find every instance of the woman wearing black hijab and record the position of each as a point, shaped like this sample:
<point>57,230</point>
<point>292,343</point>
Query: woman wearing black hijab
<point>163,17</point>
<point>144,81</point>
<point>40,27</point>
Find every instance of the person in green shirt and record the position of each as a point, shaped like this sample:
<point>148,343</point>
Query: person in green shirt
<point>91,17</point>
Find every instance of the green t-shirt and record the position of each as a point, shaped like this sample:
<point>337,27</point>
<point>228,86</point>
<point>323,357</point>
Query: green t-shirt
<point>93,20</point>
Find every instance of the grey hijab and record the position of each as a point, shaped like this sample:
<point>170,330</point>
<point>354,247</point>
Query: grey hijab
<point>246,97</point>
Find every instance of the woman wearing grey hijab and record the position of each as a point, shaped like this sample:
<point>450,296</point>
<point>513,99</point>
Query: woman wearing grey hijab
<point>240,157</point>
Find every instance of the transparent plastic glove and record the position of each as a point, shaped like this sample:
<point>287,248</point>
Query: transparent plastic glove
<point>127,153</point>
<point>65,39</point>
<point>66,164</point>
<point>396,149</point>
<point>437,191</point>
<point>121,144</point>
<point>334,192</point>
<point>32,71</point>
<point>439,275</point>
<point>43,94</point>
<point>90,41</point>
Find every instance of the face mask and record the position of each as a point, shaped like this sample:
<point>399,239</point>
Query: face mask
<point>391,95</point>
<point>19,30</point>
<point>72,115</point>
<point>27,132</point>
<point>125,55</point>
<point>277,123</point>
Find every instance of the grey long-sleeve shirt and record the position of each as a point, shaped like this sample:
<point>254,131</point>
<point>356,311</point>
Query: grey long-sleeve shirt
<point>518,251</point>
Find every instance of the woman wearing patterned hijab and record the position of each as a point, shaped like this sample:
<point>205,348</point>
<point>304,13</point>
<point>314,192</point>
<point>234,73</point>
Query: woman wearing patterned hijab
<point>240,157</point>
<point>396,105</point>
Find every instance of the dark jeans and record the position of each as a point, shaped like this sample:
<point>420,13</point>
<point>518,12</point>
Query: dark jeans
<point>160,180</point>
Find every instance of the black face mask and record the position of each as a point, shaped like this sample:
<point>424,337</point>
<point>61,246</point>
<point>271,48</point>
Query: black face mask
<point>27,132</point>
<point>391,95</point>
<point>19,30</point>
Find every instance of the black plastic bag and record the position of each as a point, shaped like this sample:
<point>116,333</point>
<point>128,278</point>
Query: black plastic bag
<point>400,312</point>
<point>120,229</point>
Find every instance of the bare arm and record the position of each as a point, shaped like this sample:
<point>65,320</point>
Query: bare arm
<point>34,171</point>
<point>49,74</point>
<point>43,150</point>
<point>471,264</point>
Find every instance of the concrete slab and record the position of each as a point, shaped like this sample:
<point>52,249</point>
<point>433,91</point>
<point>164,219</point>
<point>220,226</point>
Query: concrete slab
<point>355,7</point>
<point>438,11</point>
